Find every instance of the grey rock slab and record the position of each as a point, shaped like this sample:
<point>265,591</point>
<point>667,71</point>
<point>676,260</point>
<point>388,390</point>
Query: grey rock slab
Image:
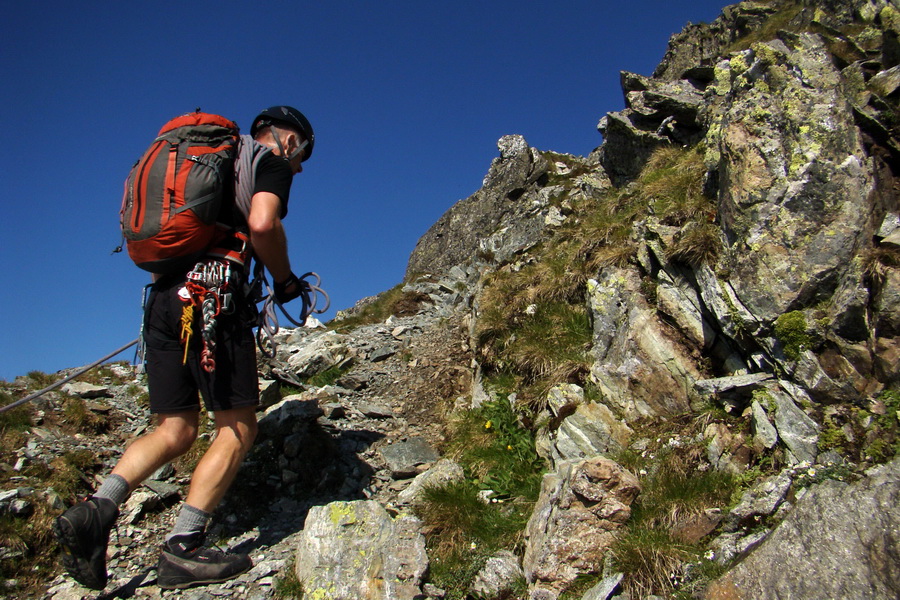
<point>86,390</point>
<point>763,430</point>
<point>404,458</point>
<point>841,541</point>
<point>760,501</point>
<point>498,577</point>
<point>443,472</point>
<point>796,429</point>
<point>604,589</point>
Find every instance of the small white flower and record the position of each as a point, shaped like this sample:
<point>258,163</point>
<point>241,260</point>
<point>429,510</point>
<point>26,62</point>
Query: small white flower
<point>811,472</point>
<point>709,555</point>
<point>643,472</point>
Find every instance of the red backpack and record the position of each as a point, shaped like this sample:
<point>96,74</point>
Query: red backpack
<point>173,194</point>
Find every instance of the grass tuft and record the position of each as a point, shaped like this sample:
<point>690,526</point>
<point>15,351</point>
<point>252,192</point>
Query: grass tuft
<point>677,486</point>
<point>394,301</point>
<point>82,419</point>
<point>672,183</point>
<point>697,245</point>
<point>463,528</point>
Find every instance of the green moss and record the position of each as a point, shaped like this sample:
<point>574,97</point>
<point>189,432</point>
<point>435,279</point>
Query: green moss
<point>790,331</point>
<point>765,399</point>
<point>831,437</point>
<point>880,450</point>
<point>891,399</point>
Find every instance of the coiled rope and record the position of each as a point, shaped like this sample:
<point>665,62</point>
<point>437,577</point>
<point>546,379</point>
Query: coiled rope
<point>268,319</point>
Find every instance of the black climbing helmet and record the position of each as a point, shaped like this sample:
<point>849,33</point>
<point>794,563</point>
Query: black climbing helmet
<point>289,116</point>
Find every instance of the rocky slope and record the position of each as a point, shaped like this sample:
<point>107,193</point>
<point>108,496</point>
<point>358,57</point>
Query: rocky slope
<point>711,294</point>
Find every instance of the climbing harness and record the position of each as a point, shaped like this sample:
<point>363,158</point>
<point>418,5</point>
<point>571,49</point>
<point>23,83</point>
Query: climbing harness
<point>214,281</point>
<point>211,287</point>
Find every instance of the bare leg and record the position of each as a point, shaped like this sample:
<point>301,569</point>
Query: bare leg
<point>173,436</point>
<point>235,432</point>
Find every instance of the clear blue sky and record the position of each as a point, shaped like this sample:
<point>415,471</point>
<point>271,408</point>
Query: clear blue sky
<point>408,100</point>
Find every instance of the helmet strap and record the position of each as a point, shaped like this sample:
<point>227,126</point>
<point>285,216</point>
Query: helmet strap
<point>295,153</point>
<point>299,149</point>
<point>278,143</point>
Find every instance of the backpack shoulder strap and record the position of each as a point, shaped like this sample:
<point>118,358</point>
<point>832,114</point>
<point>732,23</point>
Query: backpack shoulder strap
<point>249,153</point>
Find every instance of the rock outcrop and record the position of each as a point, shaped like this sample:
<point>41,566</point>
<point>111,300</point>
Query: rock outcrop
<point>581,506</point>
<point>843,542</point>
<point>506,216</point>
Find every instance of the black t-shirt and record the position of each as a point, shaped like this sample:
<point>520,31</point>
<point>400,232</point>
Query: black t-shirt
<point>274,174</point>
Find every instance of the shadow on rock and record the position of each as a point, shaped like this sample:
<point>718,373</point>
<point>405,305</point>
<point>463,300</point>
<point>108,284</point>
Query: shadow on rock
<point>298,461</point>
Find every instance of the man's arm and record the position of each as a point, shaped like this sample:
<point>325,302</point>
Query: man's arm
<point>267,234</point>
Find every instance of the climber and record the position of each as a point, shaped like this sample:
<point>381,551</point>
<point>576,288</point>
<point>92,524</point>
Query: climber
<point>280,140</point>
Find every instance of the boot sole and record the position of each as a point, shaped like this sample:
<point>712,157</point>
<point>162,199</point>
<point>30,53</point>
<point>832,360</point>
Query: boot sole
<point>73,559</point>
<point>194,582</point>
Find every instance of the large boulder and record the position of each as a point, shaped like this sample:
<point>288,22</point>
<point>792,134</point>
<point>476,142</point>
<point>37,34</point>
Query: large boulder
<point>353,550</point>
<point>638,365</point>
<point>580,507</point>
<point>579,429</point>
<point>795,187</point>
<point>842,541</point>
<point>319,353</point>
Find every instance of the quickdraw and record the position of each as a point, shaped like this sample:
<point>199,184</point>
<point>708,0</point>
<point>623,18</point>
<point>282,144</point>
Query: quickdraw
<point>209,288</point>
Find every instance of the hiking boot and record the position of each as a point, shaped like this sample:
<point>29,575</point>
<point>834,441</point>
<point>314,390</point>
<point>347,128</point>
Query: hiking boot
<point>83,535</point>
<point>185,563</point>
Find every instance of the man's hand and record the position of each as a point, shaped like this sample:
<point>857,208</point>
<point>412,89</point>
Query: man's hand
<point>287,290</point>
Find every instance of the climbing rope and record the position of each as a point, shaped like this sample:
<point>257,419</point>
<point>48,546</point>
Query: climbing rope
<point>80,371</point>
<point>268,319</point>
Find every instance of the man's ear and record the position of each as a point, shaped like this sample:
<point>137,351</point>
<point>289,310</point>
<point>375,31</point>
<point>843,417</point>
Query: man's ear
<point>298,139</point>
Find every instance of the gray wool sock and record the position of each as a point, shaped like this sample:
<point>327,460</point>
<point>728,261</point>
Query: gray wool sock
<point>114,488</point>
<point>190,520</point>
